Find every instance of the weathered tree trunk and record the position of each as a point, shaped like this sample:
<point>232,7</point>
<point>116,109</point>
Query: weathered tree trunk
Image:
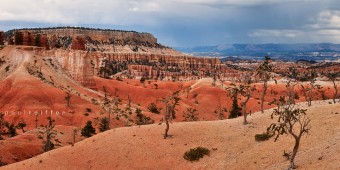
<point>336,91</point>
<point>167,127</point>
<point>265,86</point>
<point>295,149</point>
<point>310,98</point>
<point>244,113</point>
<point>166,117</point>
<point>244,110</point>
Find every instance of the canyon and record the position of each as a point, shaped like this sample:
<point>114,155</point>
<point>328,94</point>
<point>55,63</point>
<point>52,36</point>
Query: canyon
<point>40,68</point>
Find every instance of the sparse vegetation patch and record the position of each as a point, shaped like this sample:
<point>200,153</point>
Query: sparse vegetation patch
<point>196,153</point>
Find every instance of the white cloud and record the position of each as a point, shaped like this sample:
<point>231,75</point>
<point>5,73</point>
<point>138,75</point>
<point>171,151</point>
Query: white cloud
<point>239,2</point>
<point>328,19</point>
<point>275,33</point>
<point>189,21</point>
<point>297,36</point>
<point>116,12</point>
<point>145,7</point>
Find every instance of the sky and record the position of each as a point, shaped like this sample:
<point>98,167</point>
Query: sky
<point>187,23</point>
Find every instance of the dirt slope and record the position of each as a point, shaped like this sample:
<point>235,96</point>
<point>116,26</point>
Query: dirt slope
<point>234,146</point>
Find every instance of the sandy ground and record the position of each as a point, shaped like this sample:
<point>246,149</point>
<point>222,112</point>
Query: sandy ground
<point>232,146</point>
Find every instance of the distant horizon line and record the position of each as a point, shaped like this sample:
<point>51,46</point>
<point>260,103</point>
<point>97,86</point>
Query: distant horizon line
<point>256,44</point>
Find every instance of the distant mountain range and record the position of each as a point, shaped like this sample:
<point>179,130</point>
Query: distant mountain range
<point>307,51</point>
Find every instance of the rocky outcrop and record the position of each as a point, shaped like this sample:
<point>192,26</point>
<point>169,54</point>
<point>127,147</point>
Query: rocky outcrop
<point>2,36</point>
<point>27,38</point>
<point>78,43</point>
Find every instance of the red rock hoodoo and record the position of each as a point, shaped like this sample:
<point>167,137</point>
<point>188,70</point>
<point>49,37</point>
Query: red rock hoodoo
<point>78,43</point>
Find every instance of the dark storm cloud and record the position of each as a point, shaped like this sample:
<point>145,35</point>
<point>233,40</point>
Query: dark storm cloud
<point>188,22</point>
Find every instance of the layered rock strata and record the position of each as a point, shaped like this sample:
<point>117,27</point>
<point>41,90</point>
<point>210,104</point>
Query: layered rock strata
<point>85,53</point>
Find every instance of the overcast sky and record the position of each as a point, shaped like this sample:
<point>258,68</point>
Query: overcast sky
<point>187,22</point>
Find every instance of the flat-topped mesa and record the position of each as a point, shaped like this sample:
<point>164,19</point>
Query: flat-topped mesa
<point>2,36</point>
<point>87,39</point>
<point>98,34</point>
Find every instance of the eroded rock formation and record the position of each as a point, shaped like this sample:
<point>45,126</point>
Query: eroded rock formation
<point>85,53</point>
<point>78,43</point>
<point>27,38</point>
<point>87,39</point>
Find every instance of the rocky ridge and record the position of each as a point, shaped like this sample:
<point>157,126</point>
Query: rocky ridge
<point>86,53</point>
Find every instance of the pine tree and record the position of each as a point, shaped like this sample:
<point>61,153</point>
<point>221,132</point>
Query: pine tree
<point>88,130</point>
<point>235,109</point>
<point>48,135</point>
<point>21,125</point>
<point>104,124</point>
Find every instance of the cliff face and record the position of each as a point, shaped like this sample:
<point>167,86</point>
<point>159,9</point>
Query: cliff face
<point>29,39</point>
<point>82,66</point>
<point>86,39</point>
<point>85,53</point>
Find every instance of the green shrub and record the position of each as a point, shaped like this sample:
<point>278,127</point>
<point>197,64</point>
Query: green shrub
<point>142,119</point>
<point>262,137</point>
<point>104,124</point>
<point>196,153</point>
<point>153,108</point>
<point>88,110</point>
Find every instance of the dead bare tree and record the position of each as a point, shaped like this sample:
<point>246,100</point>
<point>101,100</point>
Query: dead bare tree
<point>219,110</point>
<point>264,72</point>
<point>245,90</point>
<point>68,99</point>
<point>292,121</point>
<point>221,78</point>
<point>170,110</point>
<point>308,89</point>
<point>292,81</point>
<point>334,77</point>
